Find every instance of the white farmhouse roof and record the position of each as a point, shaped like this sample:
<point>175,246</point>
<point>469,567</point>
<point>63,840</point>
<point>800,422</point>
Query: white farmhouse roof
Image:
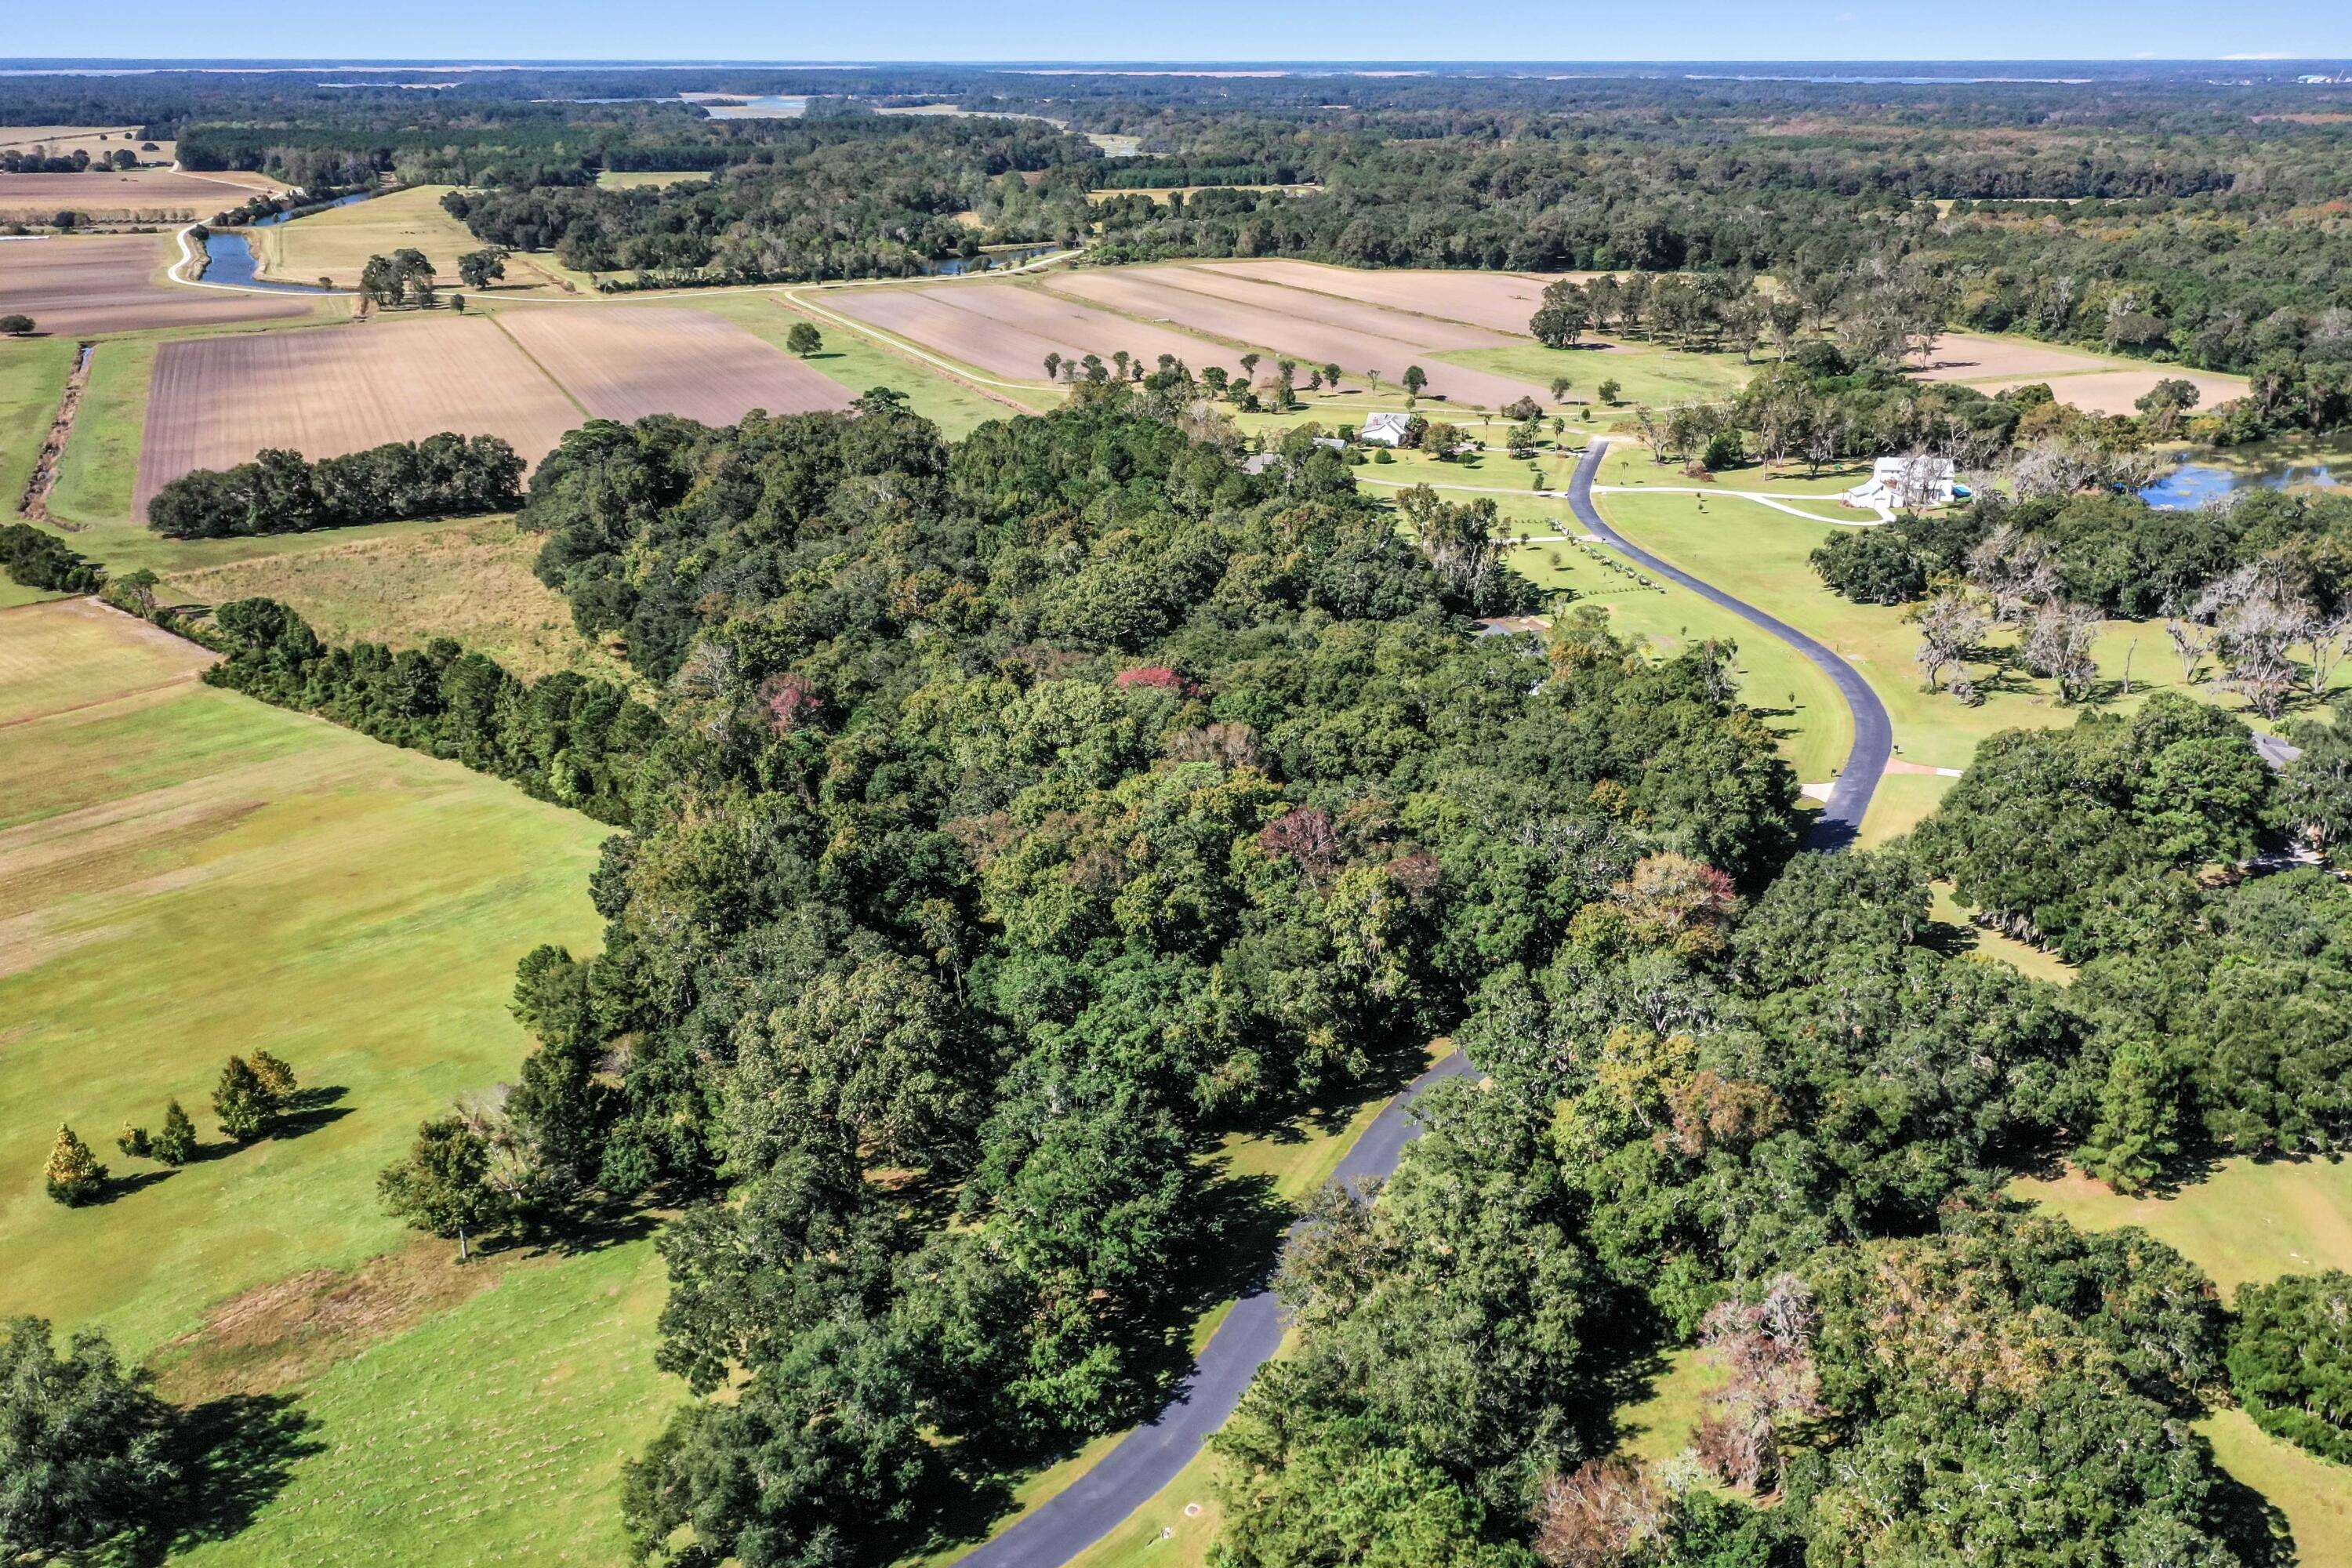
<point>1384,429</point>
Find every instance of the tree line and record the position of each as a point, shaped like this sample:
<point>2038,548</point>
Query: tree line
<point>578,742</point>
<point>280,491</point>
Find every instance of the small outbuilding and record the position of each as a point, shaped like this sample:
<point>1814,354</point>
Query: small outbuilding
<point>1384,429</point>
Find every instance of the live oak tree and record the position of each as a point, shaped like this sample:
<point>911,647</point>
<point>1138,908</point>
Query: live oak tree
<point>84,1445</point>
<point>443,1186</point>
<point>804,339</point>
<point>479,269</point>
<point>2290,1360</point>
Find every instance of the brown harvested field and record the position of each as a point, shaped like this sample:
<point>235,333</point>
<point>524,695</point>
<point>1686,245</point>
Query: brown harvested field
<point>1500,301</point>
<point>1009,331</point>
<point>214,401</point>
<point>2114,390</point>
<point>62,141</point>
<point>1420,332</point>
<point>151,194</point>
<point>76,284</point>
<point>625,363</point>
<point>1356,352</point>
<point>1965,356</point>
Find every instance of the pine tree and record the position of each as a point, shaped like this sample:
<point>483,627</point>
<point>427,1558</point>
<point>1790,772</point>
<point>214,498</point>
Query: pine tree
<point>135,1141</point>
<point>2138,1130</point>
<point>75,1176</point>
<point>176,1144</point>
<point>277,1079</point>
<point>241,1102</point>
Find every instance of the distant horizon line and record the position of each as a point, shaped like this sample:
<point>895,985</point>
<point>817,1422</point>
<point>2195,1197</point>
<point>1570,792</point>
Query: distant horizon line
<point>66,63</point>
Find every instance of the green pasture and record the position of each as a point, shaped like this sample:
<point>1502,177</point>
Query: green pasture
<point>186,873</point>
<point>636,179</point>
<point>1647,373</point>
<point>33,374</point>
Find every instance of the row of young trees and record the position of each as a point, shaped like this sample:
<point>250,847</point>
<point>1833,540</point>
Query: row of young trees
<point>249,1099</point>
<point>280,491</point>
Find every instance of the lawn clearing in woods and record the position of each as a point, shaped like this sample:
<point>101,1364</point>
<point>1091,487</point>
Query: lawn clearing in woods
<point>404,583</point>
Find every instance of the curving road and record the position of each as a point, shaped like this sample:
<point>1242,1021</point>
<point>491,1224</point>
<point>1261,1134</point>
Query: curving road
<point>1149,1457</point>
<point>1874,732</point>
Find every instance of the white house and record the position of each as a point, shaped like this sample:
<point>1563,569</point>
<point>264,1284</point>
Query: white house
<point>1384,429</point>
<point>1914,481</point>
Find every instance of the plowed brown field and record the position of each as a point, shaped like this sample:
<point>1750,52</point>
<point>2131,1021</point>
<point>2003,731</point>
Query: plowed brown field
<point>1501,302</point>
<point>1009,331</point>
<point>1357,352</point>
<point>625,363</point>
<point>107,283</point>
<point>1420,332</point>
<point>215,402</point>
<point>155,193</point>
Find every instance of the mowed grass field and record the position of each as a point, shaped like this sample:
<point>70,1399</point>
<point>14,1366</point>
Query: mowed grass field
<point>639,179</point>
<point>186,873</point>
<point>404,585</point>
<point>337,242</point>
<point>33,374</point>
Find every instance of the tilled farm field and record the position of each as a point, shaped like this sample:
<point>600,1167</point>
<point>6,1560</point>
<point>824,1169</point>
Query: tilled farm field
<point>625,363</point>
<point>1009,331</point>
<point>1284,330</point>
<point>1500,301</point>
<point>1420,332</point>
<point>158,193</point>
<point>110,283</point>
<point>215,402</point>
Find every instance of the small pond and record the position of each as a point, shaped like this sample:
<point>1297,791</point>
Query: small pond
<point>2192,485</point>
<point>276,218</point>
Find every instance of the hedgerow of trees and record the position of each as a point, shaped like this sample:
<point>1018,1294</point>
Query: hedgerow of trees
<point>283,492</point>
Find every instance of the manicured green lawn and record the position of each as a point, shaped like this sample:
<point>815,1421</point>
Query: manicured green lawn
<point>1762,556</point>
<point>2315,1494</point>
<point>2246,1222</point>
<point>1646,373</point>
<point>491,1433</point>
<point>186,873</point>
<point>33,374</point>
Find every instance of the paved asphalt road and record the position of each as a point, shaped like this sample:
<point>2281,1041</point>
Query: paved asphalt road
<point>1873,734</point>
<point>1149,1456</point>
<point>1147,1460</point>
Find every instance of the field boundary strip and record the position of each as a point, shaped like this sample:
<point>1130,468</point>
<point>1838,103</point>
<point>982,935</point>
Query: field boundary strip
<point>568,396</point>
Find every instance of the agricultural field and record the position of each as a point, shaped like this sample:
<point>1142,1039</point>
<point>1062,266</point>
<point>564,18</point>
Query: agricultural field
<point>119,196</point>
<point>336,243</point>
<point>1500,301</point>
<point>2096,384</point>
<point>404,583</point>
<point>1351,315</point>
<point>74,285</point>
<point>64,140</point>
<point>625,364</point>
<point>31,378</point>
<point>1007,330</point>
<point>217,401</point>
<point>185,873</point>
<point>859,363</point>
<point>1148,294</point>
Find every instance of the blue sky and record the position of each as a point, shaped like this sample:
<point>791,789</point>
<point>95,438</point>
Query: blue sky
<point>1194,31</point>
